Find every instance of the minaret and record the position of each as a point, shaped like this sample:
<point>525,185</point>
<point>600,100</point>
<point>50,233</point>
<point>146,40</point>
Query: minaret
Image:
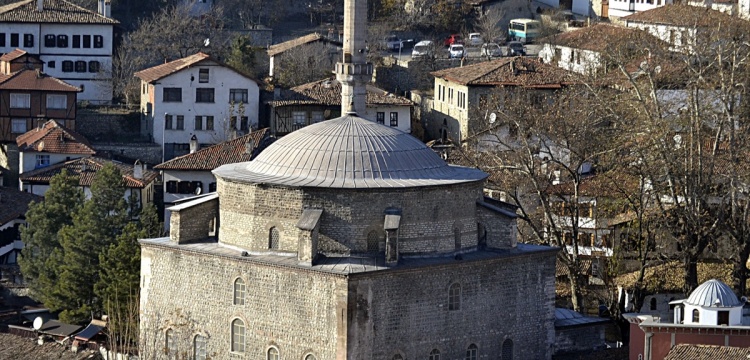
<point>353,71</point>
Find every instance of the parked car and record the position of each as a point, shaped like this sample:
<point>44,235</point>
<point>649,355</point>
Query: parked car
<point>392,43</point>
<point>456,51</point>
<point>516,48</point>
<point>491,49</point>
<point>453,39</point>
<point>475,39</point>
<point>422,49</point>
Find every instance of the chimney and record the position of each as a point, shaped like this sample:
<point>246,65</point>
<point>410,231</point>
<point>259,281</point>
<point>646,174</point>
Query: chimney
<point>40,5</point>
<point>108,8</point>
<point>138,170</point>
<point>249,147</point>
<point>193,144</point>
<point>100,8</point>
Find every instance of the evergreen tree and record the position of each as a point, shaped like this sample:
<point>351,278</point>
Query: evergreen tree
<point>42,251</point>
<point>241,55</point>
<point>95,227</point>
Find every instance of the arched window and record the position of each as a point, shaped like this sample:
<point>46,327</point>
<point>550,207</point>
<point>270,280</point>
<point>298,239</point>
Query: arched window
<point>471,352</point>
<point>239,291</point>
<point>273,238</point>
<point>398,357</point>
<point>507,350</point>
<point>696,316</point>
<point>457,237</point>
<point>454,297</point>
<point>435,354</point>
<point>373,241</point>
<point>238,336</point>
<point>170,346</point>
<point>199,348</point>
<point>310,357</point>
<point>273,354</point>
<point>653,303</point>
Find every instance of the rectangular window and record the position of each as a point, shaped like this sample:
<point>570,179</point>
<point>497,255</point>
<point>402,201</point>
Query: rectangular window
<point>55,101</point>
<point>381,118</point>
<point>28,40</point>
<point>238,96</point>
<point>50,41</point>
<point>51,64</point>
<point>20,101</point>
<point>180,122</point>
<point>18,126</point>
<point>80,66</point>
<point>42,161</point>
<point>98,41</point>
<point>299,118</point>
<point>723,318</point>
<point>172,94</point>
<point>199,122</point>
<point>233,122</point>
<point>67,66</point>
<point>244,124</point>
<point>94,66</point>
<point>62,41</point>
<point>204,95</point>
<point>14,40</point>
<point>86,41</point>
<point>2,39</point>
<point>212,187</point>
<point>76,41</point>
<point>203,75</point>
<point>172,187</point>
<point>317,116</point>
<point>168,122</point>
<point>394,119</point>
<point>210,123</point>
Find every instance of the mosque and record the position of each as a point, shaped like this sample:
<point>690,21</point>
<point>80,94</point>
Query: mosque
<point>346,239</point>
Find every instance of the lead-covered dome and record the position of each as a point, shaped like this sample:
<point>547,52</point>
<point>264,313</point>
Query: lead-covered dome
<point>713,293</point>
<point>349,152</point>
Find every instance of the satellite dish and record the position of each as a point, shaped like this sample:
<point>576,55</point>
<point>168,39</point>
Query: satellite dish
<point>206,42</point>
<point>657,69</point>
<point>493,118</point>
<point>40,147</point>
<point>38,322</point>
<point>198,191</point>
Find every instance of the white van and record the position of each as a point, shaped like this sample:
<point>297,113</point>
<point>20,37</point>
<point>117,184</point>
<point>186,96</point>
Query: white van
<point>423,48</point>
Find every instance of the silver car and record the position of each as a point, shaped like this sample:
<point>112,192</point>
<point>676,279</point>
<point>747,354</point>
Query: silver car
<point>456,51</point>
<point>491,50</point>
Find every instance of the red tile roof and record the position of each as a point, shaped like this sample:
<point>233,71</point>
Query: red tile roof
<point>707,352</point>
<point>601,37</point>
<point>680,15</point>
<point>228,152</point>
<point>161,71</point>
<point>515,71</point>
<point>34,80</point>
<point>55,11</point>
<point>15,54</point>
<point>53,137</point>
<point>14,203</point>
<point>86,169</point>
<point>328,92</point>
<point>276,49</point>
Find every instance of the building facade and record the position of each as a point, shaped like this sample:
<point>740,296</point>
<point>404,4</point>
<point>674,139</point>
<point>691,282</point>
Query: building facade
<point>196,96</point>
<point>75,44</point>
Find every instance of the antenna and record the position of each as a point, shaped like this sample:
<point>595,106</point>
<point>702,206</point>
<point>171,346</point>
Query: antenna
<point>198,190</point>
<point>493,118</point>
<point>206,42</point>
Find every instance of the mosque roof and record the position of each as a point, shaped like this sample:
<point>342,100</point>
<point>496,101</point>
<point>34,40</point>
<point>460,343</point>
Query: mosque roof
<point>349,152</point>
<point>713,293</point>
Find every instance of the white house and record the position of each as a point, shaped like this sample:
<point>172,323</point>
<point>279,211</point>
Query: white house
<point>622,8</point>
<point>13,206</point>
<point>582,50</point>
<point>189,175</point>
<point>321,100</point>
<point>139,182</point>
<point>74,43</point>
<point>50,144</point>
<point>196,96</point>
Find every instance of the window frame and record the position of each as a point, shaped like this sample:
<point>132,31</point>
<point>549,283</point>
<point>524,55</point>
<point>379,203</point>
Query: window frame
<point>471,352</point>
<point>28,40</point>
<point>299,118</point>
<point>94,66</point>
<point>275,356</point>
<point>50,41</point>
<point>171,94</point>
<point>68,66</point>
<point>237,336</point>
<point>14,123</point>
<point>454,297</point>
<point>198,124</point>
<point>62,41</point>
<point>169,344</point>
<point>205,95</point>
<point>168,122</point>
<point>394,119</point>
<point>20,101</point>
<point>98,41</point>
<point>203,75</point>
<point>76,42</point>
<point>380,117</point>
<point>56,98</point>
<point>209,123</point>
<point>434,354</point>
<point>243,96</point>
<point>239,292</point>
<point>86,42</point>
<point>274,238</point>
<point>180,122</point>
<point>41,160</point>
<point>200,351</point>
<point>696,316</point>
<point>14,39</point>
<point>80,66</point>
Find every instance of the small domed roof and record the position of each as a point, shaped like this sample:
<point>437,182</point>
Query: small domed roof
<point>349,152</point>
<point>713,293</point>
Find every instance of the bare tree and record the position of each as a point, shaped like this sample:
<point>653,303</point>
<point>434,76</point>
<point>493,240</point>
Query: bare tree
<point>489,25</point>
<point>305,63</point>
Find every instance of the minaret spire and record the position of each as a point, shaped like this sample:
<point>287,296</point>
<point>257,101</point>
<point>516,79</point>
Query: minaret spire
<point>353,71</point>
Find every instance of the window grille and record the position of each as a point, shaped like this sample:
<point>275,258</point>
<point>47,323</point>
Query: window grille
<point>273,238</point>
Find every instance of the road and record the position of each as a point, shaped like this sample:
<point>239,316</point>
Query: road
<point>532,50</point>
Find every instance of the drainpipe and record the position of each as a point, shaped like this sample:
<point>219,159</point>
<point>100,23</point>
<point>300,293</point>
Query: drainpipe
<point>647,346</point>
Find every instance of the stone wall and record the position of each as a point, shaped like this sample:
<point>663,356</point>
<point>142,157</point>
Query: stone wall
<point>193,223</point>
<point>104,124</point>
<point>295,310</point>
<point>406,312</point>
<point>579,339</point>
<point>147,153</point>
<point>429,216</point>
